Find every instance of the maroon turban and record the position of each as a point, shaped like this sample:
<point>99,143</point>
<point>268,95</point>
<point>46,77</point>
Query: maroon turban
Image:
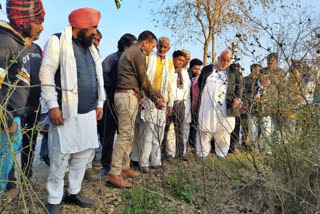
<point>84,18</point>
<point>21,12</point>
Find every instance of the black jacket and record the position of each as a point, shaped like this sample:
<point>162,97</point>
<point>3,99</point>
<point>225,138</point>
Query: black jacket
<point>15,68</point>
<point>234,87</point>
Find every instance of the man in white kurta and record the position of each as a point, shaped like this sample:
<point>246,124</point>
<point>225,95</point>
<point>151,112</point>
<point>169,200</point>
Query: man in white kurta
<point>213,120</point>
<point>73,64</point>
<point>150,132</point>
<point>187,103</point>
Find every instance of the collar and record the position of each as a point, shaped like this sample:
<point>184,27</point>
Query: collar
<point>26,41</point>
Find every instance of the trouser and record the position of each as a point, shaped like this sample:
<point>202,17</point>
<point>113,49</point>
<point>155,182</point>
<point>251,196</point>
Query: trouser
<point>235,135</point>
<point>29,141</point>
<point>260,127</point>
<point>193,129</point>
<point>177,117</point>
<point>127,106</point>
<point>44,124</point>
<point>6,154</point>
<point>58,166</point>
<point>221,143</point>
<point>107,131</point>
<point>90,159</point>
<point>186,132</point>
<point>150,143</point>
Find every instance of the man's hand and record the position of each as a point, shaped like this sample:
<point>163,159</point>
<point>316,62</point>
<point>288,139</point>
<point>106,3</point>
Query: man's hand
<point>55,116</point>
<point>13,129</point>
<point>263,100</point>
<point>160,104</point>
<point>169,111</point>
<point>236,103</point>
<point>99,113</point>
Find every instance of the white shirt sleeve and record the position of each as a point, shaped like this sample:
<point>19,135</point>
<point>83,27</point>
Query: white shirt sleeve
<point>48,69</point>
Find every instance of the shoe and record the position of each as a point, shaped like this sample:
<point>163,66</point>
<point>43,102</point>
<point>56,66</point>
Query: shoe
<point>118,181</point>
<point>170,159</point>
<point>96,164</point>
<point>129,173</point>
<point>92,174</point>
<point>145,169</point>
<point>78,199</point>
<point>134,163</point>
<point>12,193</point>
<point>53,208</point>
<point>156,167</point>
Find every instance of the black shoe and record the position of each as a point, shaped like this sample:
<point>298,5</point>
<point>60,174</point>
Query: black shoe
<point>53,208</point>
<point>78,199</point>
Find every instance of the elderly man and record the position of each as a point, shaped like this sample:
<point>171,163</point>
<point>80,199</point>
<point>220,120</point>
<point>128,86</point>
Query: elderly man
<point>73,65</point>
<point>132,81</point>
<point>151,130</point>
<point>19,62</point>
<point>219,99</point>
<point>109,123</point>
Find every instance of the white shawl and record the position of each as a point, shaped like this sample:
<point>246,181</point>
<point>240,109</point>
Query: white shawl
<point>64,56</point>
<point>150,113</point>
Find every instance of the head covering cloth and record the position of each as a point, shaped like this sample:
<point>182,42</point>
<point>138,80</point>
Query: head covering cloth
<point>84,18</point>
<point>21,12</point>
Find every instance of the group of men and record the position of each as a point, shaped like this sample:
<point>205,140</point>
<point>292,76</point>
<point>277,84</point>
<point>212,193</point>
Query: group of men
<point>133,94</point>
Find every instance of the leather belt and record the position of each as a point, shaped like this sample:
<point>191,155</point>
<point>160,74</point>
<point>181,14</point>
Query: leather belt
<point>178,101</point>
<point>129,91</point>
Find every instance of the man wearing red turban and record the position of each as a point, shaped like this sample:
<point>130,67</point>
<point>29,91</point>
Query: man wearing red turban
<point>74,106</point>
<point>20,61</point>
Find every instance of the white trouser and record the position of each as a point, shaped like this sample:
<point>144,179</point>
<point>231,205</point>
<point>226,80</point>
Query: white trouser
<point>186,131</point>
<point>171,142</point>
<point>58,164</point>
<point>264,125</point>
<point>90,160</point>
<point>151,144</point>
<point>221,139</point>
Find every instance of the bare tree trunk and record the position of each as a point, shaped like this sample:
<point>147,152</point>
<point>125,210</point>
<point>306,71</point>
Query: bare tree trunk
<point>213,47</point>
<point>205,52</point>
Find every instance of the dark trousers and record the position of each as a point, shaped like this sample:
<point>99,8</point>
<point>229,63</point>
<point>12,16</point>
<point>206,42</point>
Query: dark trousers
<point>241,121</point>
<point>193,129</point>
<point>107,129</point>
<point>29,141</point>
<point>177,117</point>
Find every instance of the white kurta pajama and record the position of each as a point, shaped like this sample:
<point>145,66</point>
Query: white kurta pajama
<point>73,142</point>
<point>151,127</point>
<point>213,122</point>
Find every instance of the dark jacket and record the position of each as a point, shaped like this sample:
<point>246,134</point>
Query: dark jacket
<point>234,87</point>
<point>15,67</point>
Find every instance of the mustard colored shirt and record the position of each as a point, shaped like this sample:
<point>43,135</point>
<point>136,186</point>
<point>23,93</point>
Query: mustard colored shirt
<point>157,78</point>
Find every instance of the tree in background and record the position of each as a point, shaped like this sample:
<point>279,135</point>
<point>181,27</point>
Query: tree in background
<point>193,19</point>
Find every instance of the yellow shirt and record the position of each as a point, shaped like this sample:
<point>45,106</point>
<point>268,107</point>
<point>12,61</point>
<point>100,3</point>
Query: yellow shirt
<point>157,78</point>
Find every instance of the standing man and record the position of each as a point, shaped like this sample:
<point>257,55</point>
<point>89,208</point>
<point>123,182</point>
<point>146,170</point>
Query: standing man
<point>273,81</point>
<point>178,114</point>
<point>219,102</point>
<point>25,25</point>
<point>72,85</point>
<point>132,82</point>
<point>187,102</point>
<point>195,68</point>
<point>109,123</point>
<point>151,131</point>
